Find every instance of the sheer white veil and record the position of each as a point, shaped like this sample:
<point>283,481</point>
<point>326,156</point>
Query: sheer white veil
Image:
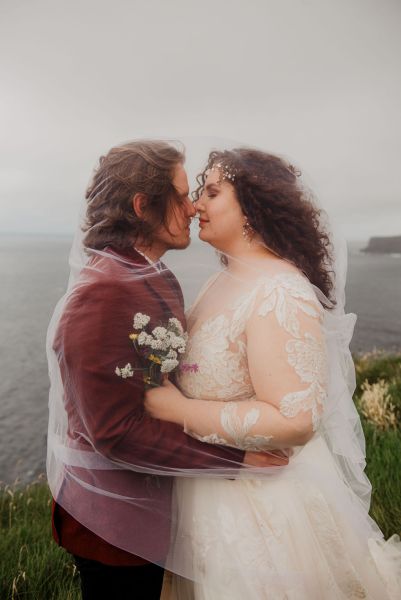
<point>341,425</point>
<point>82,467</point>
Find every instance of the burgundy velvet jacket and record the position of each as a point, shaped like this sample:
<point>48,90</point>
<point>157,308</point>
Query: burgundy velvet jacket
<point>107,411</point>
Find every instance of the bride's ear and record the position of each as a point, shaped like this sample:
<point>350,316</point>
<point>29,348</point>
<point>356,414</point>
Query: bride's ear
<point>139,204</point>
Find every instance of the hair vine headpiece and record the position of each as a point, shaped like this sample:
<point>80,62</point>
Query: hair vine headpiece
<point>226,172</point>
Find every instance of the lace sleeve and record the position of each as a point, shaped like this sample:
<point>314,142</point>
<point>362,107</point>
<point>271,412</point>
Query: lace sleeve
<point>286,350</point>
<point>287,364</point>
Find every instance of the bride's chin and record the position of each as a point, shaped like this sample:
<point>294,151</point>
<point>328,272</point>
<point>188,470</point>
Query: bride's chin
<point>204,237</point>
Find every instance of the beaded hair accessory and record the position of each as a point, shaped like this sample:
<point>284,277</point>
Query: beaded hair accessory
<point>226,172</point>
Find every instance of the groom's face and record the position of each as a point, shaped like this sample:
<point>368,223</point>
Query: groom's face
<point>180,212</point>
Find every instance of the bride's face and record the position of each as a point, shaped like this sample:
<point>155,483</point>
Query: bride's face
<point>220,216</point>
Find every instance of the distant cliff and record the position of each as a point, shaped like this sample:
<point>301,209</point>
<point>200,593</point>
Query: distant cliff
<point>384,245</point>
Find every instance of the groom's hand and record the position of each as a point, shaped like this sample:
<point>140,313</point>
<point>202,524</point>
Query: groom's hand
<point>267,459</point>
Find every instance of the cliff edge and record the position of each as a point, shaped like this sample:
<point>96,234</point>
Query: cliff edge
<point>384,245</point>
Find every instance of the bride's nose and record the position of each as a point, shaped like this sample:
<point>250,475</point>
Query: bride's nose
<point>198,205</point>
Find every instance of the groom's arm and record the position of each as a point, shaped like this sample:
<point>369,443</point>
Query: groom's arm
<point>94,340</point>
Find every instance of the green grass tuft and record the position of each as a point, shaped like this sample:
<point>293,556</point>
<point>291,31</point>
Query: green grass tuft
<point>32,566</point>
<point>383,448</point>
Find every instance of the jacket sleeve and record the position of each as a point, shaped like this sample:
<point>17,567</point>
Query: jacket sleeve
<point>106,410</point>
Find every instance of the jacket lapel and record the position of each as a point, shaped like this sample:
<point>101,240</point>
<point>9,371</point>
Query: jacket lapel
<point>162,286</point>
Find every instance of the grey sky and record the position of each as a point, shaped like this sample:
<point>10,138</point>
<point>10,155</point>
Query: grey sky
<point>315,80</point>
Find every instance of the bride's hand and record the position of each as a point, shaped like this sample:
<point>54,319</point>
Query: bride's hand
<point>165,403</point>
<point>267,459</point>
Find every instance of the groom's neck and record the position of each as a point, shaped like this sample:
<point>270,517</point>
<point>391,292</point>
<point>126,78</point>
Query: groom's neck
<point>154,251</point>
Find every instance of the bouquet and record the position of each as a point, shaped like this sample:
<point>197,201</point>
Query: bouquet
<point>160,348</point>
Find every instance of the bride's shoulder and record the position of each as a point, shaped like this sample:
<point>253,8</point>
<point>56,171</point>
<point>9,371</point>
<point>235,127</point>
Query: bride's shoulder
<point>287,279</point>
<point>279,271</point>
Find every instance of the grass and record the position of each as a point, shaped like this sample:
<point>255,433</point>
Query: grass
<point>33,567</point>
<point>383,446</point>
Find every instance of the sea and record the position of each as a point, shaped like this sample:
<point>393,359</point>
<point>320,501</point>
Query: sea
<point>33,276</point>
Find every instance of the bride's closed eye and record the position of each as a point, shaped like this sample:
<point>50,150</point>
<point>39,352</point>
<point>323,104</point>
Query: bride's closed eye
<point>211,192</point>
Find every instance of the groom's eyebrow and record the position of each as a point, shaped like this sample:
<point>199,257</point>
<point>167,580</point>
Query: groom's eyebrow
<point>183,194</point>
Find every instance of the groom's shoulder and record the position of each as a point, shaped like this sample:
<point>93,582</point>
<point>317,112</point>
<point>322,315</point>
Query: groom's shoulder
<point>110,270</point>
<point>102,290</point>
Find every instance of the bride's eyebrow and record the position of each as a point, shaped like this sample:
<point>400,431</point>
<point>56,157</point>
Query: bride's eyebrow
<point>210,185</point>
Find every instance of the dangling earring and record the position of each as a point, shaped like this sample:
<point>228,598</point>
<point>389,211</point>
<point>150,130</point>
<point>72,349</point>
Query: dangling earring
<point>247,231</point>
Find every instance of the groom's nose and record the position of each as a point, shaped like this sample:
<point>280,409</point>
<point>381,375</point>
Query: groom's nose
<point>191,210</point>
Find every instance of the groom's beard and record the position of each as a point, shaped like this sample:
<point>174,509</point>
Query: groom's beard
<point>179,242</point>
<point>181,246</point>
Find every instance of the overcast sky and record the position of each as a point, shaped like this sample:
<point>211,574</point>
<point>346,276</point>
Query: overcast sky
<point>316,80</point>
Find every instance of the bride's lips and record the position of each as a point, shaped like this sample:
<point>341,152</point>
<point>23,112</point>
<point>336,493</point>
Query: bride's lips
<point>203,221</point>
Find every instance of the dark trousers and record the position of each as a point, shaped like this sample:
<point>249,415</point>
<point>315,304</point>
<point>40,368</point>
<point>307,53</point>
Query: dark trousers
<point>104,582</point>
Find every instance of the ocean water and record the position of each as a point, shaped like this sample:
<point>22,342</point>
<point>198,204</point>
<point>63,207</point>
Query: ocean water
<point>33,276</point>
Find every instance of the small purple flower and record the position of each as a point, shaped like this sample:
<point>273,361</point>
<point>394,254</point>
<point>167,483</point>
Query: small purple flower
<point>189,368</point>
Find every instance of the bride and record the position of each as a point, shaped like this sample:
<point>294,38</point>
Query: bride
<point>269,339</point>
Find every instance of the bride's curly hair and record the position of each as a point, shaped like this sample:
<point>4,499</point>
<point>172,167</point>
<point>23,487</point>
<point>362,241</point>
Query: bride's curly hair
<point>279,209</point>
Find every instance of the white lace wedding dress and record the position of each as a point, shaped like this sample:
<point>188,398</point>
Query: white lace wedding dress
<point>299,533</point>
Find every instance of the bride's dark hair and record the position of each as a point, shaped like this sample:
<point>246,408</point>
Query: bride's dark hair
<point>278,208</point>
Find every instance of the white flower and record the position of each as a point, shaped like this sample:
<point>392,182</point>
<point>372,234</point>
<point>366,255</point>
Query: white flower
<point>159,333</point>
<point>171,354</point>
<point>142,338</point>
<point>168,365</point>
<point>124,372</point>
<point>176,323</point>
<point>162,345</point>
<point>176,341</point>
<point>140,320</point>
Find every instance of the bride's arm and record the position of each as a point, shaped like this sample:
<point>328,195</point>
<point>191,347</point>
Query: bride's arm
<point>286,358</point>
<point>250,425</point>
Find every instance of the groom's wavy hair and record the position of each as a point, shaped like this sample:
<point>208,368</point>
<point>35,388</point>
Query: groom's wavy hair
<point>144,166</point>
<point>279,209</point>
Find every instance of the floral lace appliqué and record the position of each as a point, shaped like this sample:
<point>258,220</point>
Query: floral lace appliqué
<point>285,295</point>
<point>223,373</point>
<point>307,356</point>
<point>238,429</point>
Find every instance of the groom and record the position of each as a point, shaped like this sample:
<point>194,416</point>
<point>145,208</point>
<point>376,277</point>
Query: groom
<point>138,208</point>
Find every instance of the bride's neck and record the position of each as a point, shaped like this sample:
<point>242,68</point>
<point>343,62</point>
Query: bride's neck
<point>243,255</point>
